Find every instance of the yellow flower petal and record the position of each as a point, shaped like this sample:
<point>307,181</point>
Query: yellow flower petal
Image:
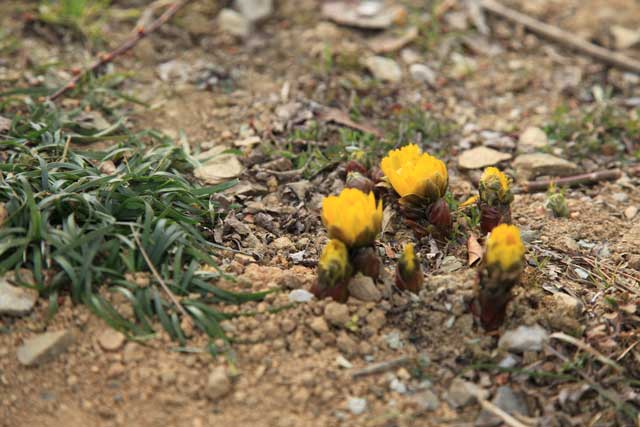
<point>353,217</point>
<point>410,171</point>
<point>504,247</point>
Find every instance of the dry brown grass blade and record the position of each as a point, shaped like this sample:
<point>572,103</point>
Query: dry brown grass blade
<point>157,275</point>
<point>586,347</point>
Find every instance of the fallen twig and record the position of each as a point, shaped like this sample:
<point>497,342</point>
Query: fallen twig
<point>140,33</point>
<point>378,368</point>
<point>575,180</point>
<point>610,395</point>
<point>563,37</point>
<point>586,347</point>
<point>507,418</point>
<point>152,267</point>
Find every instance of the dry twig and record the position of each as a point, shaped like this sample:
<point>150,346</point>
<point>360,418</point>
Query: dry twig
<point>378,368</point>
<point>504,416</point>
<point>140,33</point>
<point>576,180</point>
<point>586,347</point>
<point>153,269</point>
<point>565,38</point>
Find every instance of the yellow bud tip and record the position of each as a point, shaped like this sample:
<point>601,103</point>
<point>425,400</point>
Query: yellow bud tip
<point>353,217</point>
<point>409,257</point>
<point>492,174</point>
<point>504,247</point>
<point>333,264</point>
<point>412,172</point>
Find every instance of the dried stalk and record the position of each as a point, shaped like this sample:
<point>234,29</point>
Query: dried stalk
<point>562,37</point>
<point>384,366</point>
<point>507,418</point>
<point>153,269</point>
<point>140,33</point>
<point>586,347</point>
<point>576,180</point>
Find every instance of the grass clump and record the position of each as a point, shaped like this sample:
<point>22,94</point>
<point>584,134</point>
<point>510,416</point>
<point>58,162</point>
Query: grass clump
<point>81,220</point>
<point>602,129</point>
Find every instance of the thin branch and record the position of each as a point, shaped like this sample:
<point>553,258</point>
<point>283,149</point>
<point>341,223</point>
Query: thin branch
<point>562,37</point>
<point>586,347</point>
<point>576,180</point>
<point>378,368</point>
<point>507,418</point>
<point>152,267</point>
<point>140,33</point>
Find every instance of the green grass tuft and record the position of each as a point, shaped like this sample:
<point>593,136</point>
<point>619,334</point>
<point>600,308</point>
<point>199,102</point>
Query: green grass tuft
<point>72,215</point>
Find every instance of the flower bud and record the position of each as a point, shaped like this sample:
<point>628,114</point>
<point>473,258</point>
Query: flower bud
<point>408,272</point>
<point>440,216</point>
<point>503,264</point>
<point>491,217</point>
<point>355,166</point>
<point>558,205</point>
<point>357,180</point>
<point>334,272</point>
<point>366,261</point>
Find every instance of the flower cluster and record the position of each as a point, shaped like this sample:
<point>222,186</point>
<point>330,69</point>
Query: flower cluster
<point>421,181</point>
<point>495,199</point>
<point>353,220</point>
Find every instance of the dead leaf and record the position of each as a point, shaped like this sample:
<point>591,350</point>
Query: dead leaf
<point>247,142</point>
<point>5,125</point>
<point>474,250</point>
<point>387,44</point>
<point>336,116</point>
<point>4,214</point>
<point>387,215</point>
<point>345,13</point>
<point>219,169</point>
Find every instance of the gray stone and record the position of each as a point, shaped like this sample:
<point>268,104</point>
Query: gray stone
<point>357,405</point>
<point>337,314</point>
<point>398,386</point>
<point>17,300</point>
<point>524,338</point>
<point>462,393</point>
<point>530,166</point>
<point>631,212</point>
<point>532,138</point>
<point>384,69</point>
<point>44,347</point>
<point>620,197</point>
<point>394,340</point>
<point>509,401</point>
<point>111,340</point>
<point>480,157</point>
<point>624,38</point>
<point>426,400</point>
<point>254,10</point>
<point>300,295</point>
<point>234,23</point>
<point>422,73</point>
<point>282,243</point>
<point>568,304</point>
<point>218,384</point>
<point>363,288</point>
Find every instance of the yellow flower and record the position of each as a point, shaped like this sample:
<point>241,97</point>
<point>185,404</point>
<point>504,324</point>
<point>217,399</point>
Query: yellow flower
<point>412,172</point>
<point>494,187</point>
<point>333,265</point>
<point>408,273</point>
<point>504,247</point>
<point>353,217</point>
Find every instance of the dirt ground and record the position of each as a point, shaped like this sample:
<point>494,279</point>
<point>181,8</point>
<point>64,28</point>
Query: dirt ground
<point>296,367</point>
